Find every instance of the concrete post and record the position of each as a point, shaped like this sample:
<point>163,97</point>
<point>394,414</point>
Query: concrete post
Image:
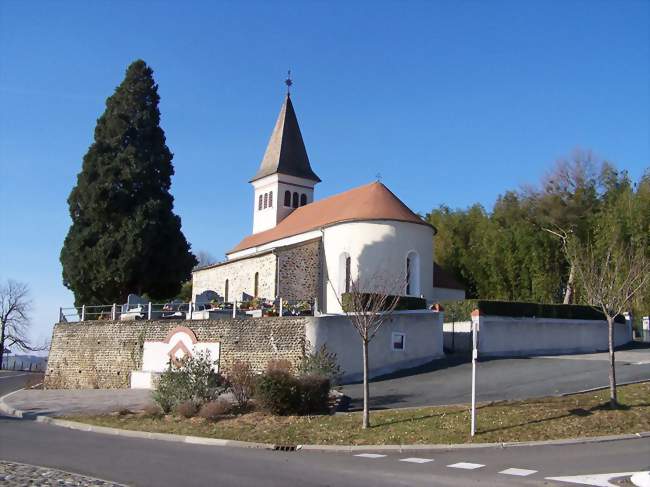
<point>281,307</point>
<point>149,311</point>
<point>315,306</point>
<point>114,312</point>
<point>234,308</point>
<point>83,312</point>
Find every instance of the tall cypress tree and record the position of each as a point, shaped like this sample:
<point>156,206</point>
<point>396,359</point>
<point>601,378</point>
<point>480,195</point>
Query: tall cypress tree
<point>124,235</point>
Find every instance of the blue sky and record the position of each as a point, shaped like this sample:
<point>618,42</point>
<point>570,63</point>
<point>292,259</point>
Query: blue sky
<point>451,102</point>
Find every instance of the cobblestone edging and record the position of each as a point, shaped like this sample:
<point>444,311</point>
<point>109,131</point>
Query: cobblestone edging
<point>20,474</point>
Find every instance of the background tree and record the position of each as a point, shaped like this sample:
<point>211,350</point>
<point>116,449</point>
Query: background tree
<point>15,306</point>
<point>611,274</point>
<point>367,312</point>
<point>124,235</point>
<point>204,258</point>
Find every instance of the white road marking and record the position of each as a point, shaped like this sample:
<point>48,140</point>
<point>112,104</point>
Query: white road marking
<point>369,455</point>
<point>416,460</point>
<point>466,465</point>
<point>12,376</point>
<point>597,480</point>
<point>641,479</point>
<point>519,472</point>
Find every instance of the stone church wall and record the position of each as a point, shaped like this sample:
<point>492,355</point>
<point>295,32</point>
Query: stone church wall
<point>299,270</point>
<point>102,354</point>
<point>241,278</point>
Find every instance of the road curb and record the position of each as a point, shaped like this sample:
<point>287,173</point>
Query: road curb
<point>198,440</point>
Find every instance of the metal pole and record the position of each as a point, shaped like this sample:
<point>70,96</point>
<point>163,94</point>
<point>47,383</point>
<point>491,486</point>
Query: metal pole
<point>83,312</point>
<point>149,311</point>
<point>281,306</point>
<point>474,357</point>
<point>60,315</point>
<point>234,308</point>
<point>189,309</point>
<point>114,312</point>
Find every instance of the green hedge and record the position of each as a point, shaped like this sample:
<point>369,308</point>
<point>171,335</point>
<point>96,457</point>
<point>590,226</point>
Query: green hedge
<point>403,303</point>
<point>461,310</point>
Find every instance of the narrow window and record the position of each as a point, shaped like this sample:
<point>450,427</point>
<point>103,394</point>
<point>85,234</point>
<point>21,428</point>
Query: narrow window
<point>266,200</point>
<point>295,200</point>
<point>259,204</point>
<point>408,276</point>
<point>348,274</point>
<point>270,199</point>
<point>256,284</point>
<point>287,198</point>
<point>303,199</point>
<point>225,292</point>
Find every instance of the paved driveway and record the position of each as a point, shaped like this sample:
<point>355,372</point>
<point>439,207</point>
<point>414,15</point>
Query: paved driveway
<point>448,381</point>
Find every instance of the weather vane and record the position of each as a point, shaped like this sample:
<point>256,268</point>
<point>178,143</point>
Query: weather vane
<point>288,82</point>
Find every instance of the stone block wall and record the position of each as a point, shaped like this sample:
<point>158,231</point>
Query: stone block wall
<point>299,271</point>
<point>102,354</point>
<point>241,278</point>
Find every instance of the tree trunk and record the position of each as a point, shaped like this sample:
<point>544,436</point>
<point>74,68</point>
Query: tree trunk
<point>366,389</point>
<point>612,365</point>
<point>568,294</point>
<point>2,343</point>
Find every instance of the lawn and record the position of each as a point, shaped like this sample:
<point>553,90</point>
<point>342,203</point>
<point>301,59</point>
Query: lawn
<point>548,418</point>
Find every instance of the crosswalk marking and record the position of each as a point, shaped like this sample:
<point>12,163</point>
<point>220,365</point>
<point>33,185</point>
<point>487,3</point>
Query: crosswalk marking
<point>416,460</point>
<point>466,465</point>
<point>519,472</point>
<point>370,455</point>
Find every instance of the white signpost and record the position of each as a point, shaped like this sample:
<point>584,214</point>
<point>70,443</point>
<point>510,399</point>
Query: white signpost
<point>475,320</point>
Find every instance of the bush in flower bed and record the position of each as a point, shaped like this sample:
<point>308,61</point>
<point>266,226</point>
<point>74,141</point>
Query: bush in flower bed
<point>193,380</point>
<point>314,394</point>
<point>187,409</point>
<point>242,382</point>
<point>282,393</point>
<point>213,410</point>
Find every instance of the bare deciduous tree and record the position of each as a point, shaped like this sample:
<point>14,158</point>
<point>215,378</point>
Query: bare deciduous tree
<point>367,312</point>
<point>610,277</point>
<point>204,258</point>
<point>15,306</point>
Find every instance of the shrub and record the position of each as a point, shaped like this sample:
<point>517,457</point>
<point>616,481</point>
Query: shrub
<point>152,410</point>
<point>214,409</point>
<point>321,362</point>
<point>194,380</point>
<point>278,392</point>
<point>242,382</point>
<point>314,394</point>
<point>187,409</point>
<point>279,365</point>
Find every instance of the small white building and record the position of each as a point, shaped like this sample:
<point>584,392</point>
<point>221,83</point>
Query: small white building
<point>305,249</point>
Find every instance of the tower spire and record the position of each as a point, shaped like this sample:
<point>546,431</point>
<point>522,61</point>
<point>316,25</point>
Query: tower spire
<point>288,82</point>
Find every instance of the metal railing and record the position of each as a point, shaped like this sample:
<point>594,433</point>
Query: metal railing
<point>191,310</point>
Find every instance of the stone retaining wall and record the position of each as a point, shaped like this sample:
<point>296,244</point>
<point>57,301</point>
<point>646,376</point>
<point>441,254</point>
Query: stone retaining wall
<point>102,354</point>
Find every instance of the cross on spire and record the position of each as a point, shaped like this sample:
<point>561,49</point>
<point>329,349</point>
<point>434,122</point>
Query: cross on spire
<point>288,82</point>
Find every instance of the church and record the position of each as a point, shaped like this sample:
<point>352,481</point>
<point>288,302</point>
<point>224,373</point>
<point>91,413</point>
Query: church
<point>302,248</point>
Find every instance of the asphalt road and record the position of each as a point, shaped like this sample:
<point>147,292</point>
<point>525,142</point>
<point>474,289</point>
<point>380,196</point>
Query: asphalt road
<point>12,380</point>
<point>448,381</point>
<point>142,462</point>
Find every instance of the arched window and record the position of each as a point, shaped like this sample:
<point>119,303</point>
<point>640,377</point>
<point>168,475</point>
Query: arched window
<point>303,199</point>
<point>295,200</point>
<point>270,199</point>
<point>345,273</point>
<point>256,284</point>
<point>266,200</point>
<point>287,198</point>
<point>225,292</point>
<point>259,203</point>
<point>412,274</point>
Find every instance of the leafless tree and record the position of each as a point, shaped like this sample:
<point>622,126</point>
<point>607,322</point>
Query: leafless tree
<point>204,258</point>
<point>368,305</point>
<point>15,306</point>
<point>610,276</point>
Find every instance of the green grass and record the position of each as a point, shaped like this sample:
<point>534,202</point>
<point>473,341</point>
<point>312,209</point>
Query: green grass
<point>548,418</point>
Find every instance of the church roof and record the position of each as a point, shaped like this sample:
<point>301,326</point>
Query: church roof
<point>286,153</point>
<point>372,201</point>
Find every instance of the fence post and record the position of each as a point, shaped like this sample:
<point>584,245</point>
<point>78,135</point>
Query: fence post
<point>83,312</point>
<point>114,312</point>
<point>149,311</point>
<point>234,309</point>
<point>281,307</point>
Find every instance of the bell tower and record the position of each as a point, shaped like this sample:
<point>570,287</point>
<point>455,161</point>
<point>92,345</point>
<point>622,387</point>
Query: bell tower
<point>285,180</point>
